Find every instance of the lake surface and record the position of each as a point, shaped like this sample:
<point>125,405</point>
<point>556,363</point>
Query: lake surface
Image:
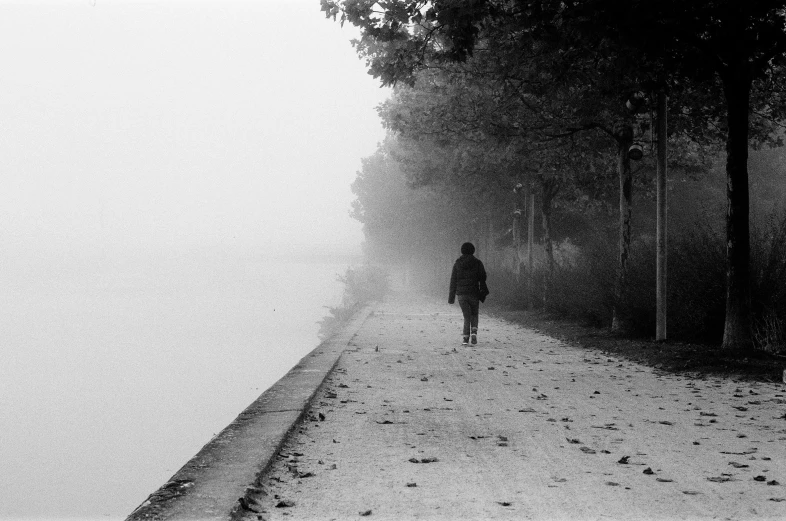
<point>116,372</point>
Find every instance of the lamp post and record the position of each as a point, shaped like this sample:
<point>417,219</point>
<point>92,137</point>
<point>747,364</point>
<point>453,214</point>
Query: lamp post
<point>660,277</point>
<point>635,152</point>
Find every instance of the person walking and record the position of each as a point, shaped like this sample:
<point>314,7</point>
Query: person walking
<point>468,283</point>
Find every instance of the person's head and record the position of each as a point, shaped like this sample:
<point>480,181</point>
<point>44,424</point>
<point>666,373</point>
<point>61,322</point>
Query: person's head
<point>467,248</point>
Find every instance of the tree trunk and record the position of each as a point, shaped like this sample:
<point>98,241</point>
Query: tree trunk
<point>517,211</point>
<point>624,135</point>
<point>489,240</point>
<point>737,329</point>
<point>549,188</point>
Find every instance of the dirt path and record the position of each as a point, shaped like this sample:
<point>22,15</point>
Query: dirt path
<point>522,426</point>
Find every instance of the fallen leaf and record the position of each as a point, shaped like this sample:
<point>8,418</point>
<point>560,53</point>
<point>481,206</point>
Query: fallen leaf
<point>759,478</point>
<point>608,426</point>
<point>366,513</point>
<point>648,471</point>
<point>250,504</point>
<point>624,460</point>
<point>285,504</point>
<point>587,450</point>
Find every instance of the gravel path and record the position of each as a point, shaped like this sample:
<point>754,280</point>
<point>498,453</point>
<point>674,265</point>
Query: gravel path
<point>521,426</point>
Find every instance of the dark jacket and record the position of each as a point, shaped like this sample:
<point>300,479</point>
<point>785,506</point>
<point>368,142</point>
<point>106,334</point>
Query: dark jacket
<point>468,278</point>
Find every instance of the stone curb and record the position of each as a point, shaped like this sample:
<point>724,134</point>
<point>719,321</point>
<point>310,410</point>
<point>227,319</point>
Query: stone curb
<point>210,484</point>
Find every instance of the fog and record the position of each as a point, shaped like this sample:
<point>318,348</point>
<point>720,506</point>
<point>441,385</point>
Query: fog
<point>173,214</point>
<point>131,126</point>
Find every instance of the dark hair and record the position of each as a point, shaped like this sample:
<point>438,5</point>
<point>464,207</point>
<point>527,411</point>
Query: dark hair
<point>467,248</point>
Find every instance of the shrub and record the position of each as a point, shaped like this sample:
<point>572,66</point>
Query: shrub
<point>768,283</point>
<point>362,285</point>
<point>582,287</point>
<point>506,291</point>
<point>696,307</point>
<point>697,286</point>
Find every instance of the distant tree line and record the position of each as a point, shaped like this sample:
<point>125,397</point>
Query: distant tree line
<point>499,104</point>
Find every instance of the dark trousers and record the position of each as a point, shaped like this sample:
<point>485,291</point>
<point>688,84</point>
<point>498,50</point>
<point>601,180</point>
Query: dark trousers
<point>469,307</point>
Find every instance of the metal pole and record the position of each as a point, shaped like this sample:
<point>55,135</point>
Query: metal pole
<point>530,244</point>
<point>661,230</point>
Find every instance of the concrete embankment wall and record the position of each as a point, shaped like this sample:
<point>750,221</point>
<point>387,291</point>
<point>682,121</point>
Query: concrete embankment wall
<point>211,483</point>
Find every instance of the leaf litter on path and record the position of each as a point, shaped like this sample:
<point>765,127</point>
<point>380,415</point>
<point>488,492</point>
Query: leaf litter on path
<point>423,460</point>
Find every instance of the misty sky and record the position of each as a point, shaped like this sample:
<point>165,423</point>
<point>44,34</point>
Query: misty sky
<point>135,126</point>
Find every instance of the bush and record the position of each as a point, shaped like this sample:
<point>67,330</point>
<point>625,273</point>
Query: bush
<point>696,306</point>
<point>697,286</point>
<point>364,284</point>
<point>768,283</point>
<point>506,291</point>
<point>583,288</point>
<point>361,285</point>
<point>583,284</point>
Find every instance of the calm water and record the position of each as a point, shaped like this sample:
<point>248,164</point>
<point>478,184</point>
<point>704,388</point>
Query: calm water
<point>116,373</point>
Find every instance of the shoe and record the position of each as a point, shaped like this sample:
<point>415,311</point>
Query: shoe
<point>474,338</point>
<point>466,341</point>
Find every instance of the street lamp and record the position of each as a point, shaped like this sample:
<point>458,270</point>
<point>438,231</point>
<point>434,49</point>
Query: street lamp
<point>636,151</point>
<point>635,102</point>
